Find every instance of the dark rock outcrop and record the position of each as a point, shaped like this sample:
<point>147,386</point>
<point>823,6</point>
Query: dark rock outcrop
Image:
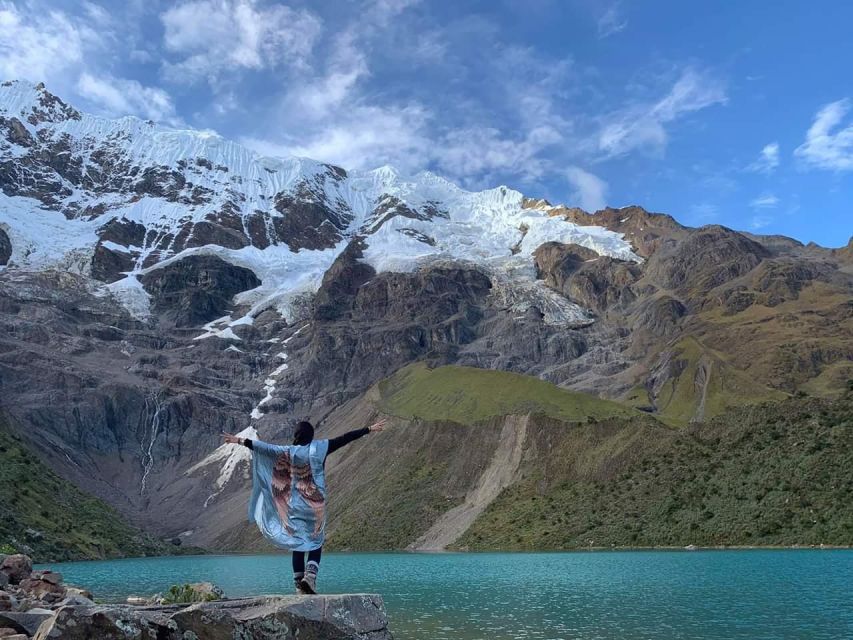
<point>341,283</point>
<point>342,617</point>
<point>5,248</point>
<point>378,326</point>
<point>196,289</point>
<point>109,265</point>
<point>308,220</point>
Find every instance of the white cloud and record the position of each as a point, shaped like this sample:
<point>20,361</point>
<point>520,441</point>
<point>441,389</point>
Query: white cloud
<point>316,97</point>
<point>39,45</point>
<point>767,160</point>
<point>611,21</point>
<point>826,146</point>
<point>590,190</point>
<point>476,155</point>
<point>764,201</point>
<point>215,36</point>
<point>759,222</point>
<point>366,137</point>
<point>643,125</point>
<point>119,97</point>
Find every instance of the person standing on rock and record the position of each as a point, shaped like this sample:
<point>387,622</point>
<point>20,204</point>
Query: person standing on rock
<point>288,500</point>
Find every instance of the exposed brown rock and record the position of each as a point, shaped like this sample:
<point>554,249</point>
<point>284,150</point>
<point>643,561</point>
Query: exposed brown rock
<point>706,258</point>
<point>593,281</point>
<point>17,566</point>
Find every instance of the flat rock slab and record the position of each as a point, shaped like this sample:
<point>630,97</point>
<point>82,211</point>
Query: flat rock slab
<point>23,622</point>
<point>338,617</point>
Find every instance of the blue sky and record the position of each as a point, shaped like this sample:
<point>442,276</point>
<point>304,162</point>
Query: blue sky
<point>737,113</point>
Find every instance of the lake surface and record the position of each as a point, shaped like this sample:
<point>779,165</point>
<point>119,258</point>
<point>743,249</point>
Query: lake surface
<point>630,595</point>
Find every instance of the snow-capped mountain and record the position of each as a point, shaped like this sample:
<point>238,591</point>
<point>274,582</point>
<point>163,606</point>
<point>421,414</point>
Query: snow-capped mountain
<point>120,199</point>
<point>158,287</point>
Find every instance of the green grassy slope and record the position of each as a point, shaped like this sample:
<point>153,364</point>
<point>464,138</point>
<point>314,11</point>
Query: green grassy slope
<point>770,474</point>
<point>468,395</point>
<point>683,399</point>
<point>399,483</point>
<point>48,518</point>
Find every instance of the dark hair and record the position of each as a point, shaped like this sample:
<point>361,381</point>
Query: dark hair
<point>304,433</point>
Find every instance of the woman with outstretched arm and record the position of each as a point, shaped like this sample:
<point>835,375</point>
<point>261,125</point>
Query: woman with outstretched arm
<point>288,500</point>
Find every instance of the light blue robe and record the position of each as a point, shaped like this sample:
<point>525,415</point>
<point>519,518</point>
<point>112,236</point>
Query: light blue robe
<point>288,500</point>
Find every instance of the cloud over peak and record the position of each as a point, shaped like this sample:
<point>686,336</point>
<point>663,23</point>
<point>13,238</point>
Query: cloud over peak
<point>589,190</point>
<point>119,97</point>
<point>643,125</point>
<point>827,146</point>
<point>213,36</point>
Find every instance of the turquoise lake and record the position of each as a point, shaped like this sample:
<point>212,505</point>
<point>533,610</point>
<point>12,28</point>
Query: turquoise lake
<point>619,595</point>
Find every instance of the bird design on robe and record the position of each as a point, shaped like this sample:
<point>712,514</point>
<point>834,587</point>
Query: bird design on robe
<point>282,477</point>
<point>311,493</point>
<point>284,473</point>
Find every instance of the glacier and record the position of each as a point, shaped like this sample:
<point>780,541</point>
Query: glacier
<point>405,221</point>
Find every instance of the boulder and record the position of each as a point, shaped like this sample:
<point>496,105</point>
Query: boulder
<point>26,622</point>
<point>37,587</point>
<point>74,601</point>
<point>78,591</point>
<point>263,617</point>
<point>4,579</point>
<point>51,577</point>
<point>17,566</point>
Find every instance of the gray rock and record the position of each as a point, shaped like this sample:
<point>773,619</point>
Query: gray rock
<point>78,591</point>
<point>24,621</point>
<point>4,579</point>
<point>75,600</point>
<point>52,577</point>
<point>8,602</point>
<point>5,248</point>
<point>339,617</point>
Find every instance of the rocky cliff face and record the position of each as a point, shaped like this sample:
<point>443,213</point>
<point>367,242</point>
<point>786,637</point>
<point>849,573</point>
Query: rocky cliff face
<point>158,287</point>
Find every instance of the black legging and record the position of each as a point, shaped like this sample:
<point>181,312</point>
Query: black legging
<point>299,559</point>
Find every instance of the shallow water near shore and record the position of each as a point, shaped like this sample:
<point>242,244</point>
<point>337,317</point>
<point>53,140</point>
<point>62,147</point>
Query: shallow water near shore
<point>608,595</point>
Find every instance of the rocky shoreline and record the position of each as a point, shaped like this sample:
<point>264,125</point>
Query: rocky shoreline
<point>37,604</point>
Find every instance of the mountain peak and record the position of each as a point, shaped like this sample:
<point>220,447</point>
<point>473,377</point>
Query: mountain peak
<point>33,103</point>
<point>120,199</point>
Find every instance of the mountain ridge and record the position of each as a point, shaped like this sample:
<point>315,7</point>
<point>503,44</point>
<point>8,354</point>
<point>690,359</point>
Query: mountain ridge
<point>147,306</point>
